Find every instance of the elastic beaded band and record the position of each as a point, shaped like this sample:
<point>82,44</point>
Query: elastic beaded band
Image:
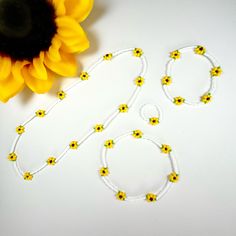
<point>97,128</point>
<point>152,120</point>
<point>122,195</point>
<point>167,79</point>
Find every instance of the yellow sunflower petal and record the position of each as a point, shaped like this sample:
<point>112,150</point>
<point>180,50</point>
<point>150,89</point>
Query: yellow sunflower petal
<point>9,88</point>
<point>71,34</point>
<point>37,69</point>
<point>37,85</point>
<point>5,67</point>
<point>53,52</point>
<point>16,70</point>
<point>67,66</point>
<point>59,7</point>
<point>78,9</point>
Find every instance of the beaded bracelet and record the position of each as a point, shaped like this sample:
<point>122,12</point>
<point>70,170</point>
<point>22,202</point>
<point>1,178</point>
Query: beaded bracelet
<point>61,95</point>
<point>154,119</point>
<point>122,195</point>
<point>214,72</point>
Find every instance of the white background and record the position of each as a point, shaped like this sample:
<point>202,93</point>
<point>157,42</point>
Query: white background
<point>70,199</point>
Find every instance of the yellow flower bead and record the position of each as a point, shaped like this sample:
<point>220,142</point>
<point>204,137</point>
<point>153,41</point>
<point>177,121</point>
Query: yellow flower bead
<point>74,145</point>
<point>206,98</point>
<point>150,197</point>
<point>84,75</point>
<point>121,196</point>
<point>139,81</point>
<point>173,177</point>
<point>123,108</point>
<point>109,143</point>
<point>12,157</point>
<point>166,80</point>
<point>200,50</point>
<point>20,129</point>
<point>137,134</point>
<point>175,54</point>
<point>51,161</point>
<point>107,57</point>
<point>137,52</point>
<point>216,71</point>
<point>98,128</point>
<point>40,113</point>
<point>27,176</point>
<point>166,148</point>
<point>61,95</point>
<point>178,101</point>
<point>104,171</point>
<point>154,121</point>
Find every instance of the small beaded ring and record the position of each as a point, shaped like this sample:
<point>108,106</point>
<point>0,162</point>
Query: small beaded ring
<point>215,71</point>
<point>153,120</point>
<point>122,195</point>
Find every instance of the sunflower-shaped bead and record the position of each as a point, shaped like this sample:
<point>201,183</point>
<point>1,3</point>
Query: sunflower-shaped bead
<point>123,108</point>
<point>154,121</point>
<point>20,129</point>
<point>27,176</point>
<point>51,161</point>
<point>104,171</point>
<point>206,98</point>
<point>166,80</point>
<point>61,95</point>
<point>178,101</point>
<point>137,52</point>
<point>139,81</point>
<point>200,50</point>
<point>175,55</point>
<point>165,148</point>
<point>84,75</point>
<point>107,57</point>
<point>151,197</point>
<point>173,177</point>
<point>109,143</point>
<point>74,145</point>
<point>121,195</point>
<point>216,71</point>
<point>98,128</point>
<point>137,134</point>
<point>40,113</point>
<point>12,156</point>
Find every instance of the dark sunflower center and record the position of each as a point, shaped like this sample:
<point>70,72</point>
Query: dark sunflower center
<point>26,27</point>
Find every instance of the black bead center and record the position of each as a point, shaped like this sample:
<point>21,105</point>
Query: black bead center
<point>26,27</point>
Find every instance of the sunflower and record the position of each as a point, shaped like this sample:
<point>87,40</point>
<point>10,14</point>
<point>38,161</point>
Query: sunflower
<point>38,39</point>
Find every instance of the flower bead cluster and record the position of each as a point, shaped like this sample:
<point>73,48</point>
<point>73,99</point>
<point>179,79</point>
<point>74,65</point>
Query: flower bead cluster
<point>12,156</point>
<point>137,52</point>
<point>51,161</point>
<point>200,50</point>
<point>108,57</point>
<point>175,55</point>
<point>216,71</point>
<point>109,143</point>
<point>165,148</point>
<point>61,95</point>
<point>166,80</point>
<point>173,177</point>
<point>74,145</point>
<point>123,108</point>
<point>98,128</point>
<point>151,197</point>
<point>40,113</point>
<point>137,134</point>
<point>84,75</point>
<point>27,176</point>
<point>139,81</point>
<point>104,171</point>
<point>154,121</point>
<point>206,98</point>
<point>20,129</point>
<point>178,101</point>
<point>121,195</point>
